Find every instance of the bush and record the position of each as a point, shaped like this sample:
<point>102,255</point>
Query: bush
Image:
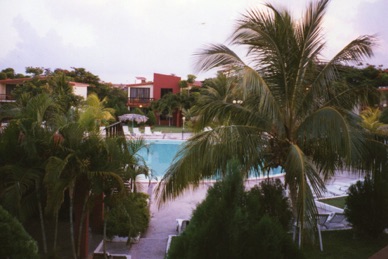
<point>151,118</point>
<point>224,226</point>
<point>14,241</point>
<point>269,199</point>
<point>128,216</point>
<point>367,206</point>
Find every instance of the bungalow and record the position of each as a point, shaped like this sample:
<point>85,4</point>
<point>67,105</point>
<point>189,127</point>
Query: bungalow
<point>141,94</point>
<point>8,85</point>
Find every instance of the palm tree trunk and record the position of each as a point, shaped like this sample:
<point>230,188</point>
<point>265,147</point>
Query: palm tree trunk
<point>42,225</point>
<point>83,215</point>
<point>71,194</point>
<point>294,200</point>
<point>55,231</point>
<point>104,238</point>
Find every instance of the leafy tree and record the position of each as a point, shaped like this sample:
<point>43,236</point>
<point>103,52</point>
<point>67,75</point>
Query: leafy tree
<point>9,72</point>
<point>95,114</point>
<point>227,224</point>
<point>367,206</point>
<point>291,113</point>
<point>35,71</point>
<point>15,241</point>
<point>129,215</point>
<point>151,118</point>
<point>167,105</point>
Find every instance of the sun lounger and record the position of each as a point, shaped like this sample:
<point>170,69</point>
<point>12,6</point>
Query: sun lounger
<point>336,221</point>
<point>181,225</point>
<point>137,132</point>
<point>126,131</point>
<point>147,131</point>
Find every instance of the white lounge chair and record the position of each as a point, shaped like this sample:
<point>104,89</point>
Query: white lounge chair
<point>181,225</point>
<point>126,131</point>
<point>337,221</point>
<point>137,132</point>
<point>147,131</point>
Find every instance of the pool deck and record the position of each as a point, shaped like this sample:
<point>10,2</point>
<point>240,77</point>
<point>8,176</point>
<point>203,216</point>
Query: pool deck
<point>153,243</point>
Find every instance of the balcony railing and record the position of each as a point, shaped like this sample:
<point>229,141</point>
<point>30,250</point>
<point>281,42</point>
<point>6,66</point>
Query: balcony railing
<point>6,98</point>
<point>139,101</point>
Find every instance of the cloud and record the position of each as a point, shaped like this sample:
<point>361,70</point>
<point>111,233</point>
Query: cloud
<point>119,40</point>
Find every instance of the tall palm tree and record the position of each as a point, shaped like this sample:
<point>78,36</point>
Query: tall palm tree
<point>291,112</point>
<point>24,148</point>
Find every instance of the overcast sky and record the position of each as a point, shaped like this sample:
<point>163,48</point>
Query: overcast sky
<point>119,40</point>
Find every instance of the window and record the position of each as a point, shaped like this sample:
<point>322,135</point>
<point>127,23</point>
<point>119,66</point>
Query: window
<point>165,91</point>
<point>140,93</point>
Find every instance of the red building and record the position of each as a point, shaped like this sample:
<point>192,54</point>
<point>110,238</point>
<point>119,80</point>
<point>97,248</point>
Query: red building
<point>140,95</point>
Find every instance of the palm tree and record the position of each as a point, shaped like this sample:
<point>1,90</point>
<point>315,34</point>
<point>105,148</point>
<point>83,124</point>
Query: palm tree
<point>289,114</point>
<point>25,148</point>
<point>94,113</point>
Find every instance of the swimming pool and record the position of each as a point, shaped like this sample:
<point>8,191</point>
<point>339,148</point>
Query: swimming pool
<point>160,154</point>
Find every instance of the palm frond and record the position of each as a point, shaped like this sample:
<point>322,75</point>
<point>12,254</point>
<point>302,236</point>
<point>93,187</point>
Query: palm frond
<point>302,175</point>
<point>220,145</point>
<point>219,56</point>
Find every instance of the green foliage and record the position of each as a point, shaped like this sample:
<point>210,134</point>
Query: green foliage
<point>3,75</point>
<point>128,215</point>
<point>151,118</point>
<point>10,72</point>
<point>367,206</point>
<point>225,225</point>
<point>384,116</point>
<point>269,199</point>
<point>137,111</point>
<point>15,241</point>
<point>36,71</point>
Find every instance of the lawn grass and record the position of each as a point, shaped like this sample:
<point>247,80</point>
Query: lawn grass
<point>344,244</point>
<point>167,129</point>
<point>336,202</point>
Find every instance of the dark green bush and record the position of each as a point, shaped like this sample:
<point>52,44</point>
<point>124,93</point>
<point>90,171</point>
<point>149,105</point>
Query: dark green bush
<point>128,215</point>
<point>14,240</point>
<point>269,199</point>
<point>224,225</point>
<point>151,118</point>
<point>367,206</point>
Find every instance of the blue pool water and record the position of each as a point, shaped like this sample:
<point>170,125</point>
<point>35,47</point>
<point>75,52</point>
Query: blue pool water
<point>160,154</point>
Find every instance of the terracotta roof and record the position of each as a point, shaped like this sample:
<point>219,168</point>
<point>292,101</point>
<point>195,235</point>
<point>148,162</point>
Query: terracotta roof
<point>78,84</point>
<point>15,81</point>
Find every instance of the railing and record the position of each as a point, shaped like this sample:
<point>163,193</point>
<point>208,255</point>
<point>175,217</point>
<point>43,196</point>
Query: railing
<point>6,98</point>
<point>139,100</point>
<point>114,130</point>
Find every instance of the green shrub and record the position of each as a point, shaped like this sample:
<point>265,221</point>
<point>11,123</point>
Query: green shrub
<point>151,118</point>
<point>224,225</point>
<point>367,206</point>
<point>128,215</point>
<point>269,199</point>
<point>14,240</point>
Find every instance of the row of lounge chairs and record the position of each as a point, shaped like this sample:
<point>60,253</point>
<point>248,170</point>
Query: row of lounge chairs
<point>136,132</point>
